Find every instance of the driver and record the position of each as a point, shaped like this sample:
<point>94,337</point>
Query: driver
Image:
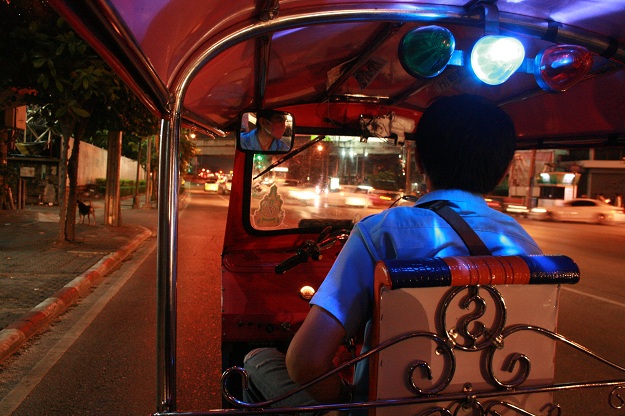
<point>268,134</point>
<point>464,145</point>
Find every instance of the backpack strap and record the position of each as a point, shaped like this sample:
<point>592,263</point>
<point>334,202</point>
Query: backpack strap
<point>474,243</point>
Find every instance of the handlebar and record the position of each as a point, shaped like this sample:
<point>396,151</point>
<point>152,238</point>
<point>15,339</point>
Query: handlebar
<point>312,249</point>
<point>300,257</point>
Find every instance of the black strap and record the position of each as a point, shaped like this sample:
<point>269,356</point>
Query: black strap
<point>475,245</point>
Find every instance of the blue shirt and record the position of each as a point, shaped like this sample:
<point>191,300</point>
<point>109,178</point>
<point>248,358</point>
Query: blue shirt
<point>250,141</point>
<point>408,233</point>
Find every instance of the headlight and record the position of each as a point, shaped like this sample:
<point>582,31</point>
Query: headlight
<point>306,292</point>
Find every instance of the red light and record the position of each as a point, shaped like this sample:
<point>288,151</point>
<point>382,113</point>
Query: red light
<point>561,66</point>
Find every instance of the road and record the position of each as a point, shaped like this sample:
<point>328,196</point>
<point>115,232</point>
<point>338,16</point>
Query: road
<point>591,312</point>
<point>100,357</point>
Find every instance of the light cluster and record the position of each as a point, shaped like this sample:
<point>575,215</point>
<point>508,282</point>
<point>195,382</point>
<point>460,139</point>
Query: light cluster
<point>426,51</point>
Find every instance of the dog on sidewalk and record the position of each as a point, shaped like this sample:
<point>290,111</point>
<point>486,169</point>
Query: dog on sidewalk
<point>85,209</point>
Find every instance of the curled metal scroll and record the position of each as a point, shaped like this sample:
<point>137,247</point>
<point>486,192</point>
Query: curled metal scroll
<point>550,409</point>
<point>615,399</point>
<point>524,364</point>
<point>521,361</point>
<point>488,340</point>
<point>440,411</point>
<point>443,349</point>
<point>225,376</point>
<point>481,336</point>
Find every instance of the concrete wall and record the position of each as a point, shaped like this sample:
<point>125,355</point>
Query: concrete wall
<point>37,173</point>
<point>92,165</point>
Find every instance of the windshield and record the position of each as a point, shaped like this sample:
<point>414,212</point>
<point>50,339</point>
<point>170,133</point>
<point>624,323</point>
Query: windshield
<point>336,178</point>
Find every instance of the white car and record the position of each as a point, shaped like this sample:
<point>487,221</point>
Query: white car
<point>211,185</point>
<point>582,210</point>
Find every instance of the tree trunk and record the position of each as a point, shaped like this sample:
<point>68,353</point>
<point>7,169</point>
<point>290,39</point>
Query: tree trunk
<point>68,170</point>
<point>135,197</point>
<point>66,133</point>
<point>112,206</point>
<point>5,137</point>
<point>72,173</point>
<point>148,179</point>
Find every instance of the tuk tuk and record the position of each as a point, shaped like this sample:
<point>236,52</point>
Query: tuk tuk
<point>349,81</point>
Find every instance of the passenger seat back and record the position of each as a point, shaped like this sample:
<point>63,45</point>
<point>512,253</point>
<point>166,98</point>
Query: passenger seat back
<point>466,319</point>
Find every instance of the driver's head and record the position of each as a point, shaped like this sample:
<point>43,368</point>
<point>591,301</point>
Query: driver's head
<point>465,142</point>
<point>272,123</point>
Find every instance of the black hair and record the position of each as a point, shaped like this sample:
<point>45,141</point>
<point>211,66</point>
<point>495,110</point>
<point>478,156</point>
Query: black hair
<point>266,114</point>
<point>465,142</point>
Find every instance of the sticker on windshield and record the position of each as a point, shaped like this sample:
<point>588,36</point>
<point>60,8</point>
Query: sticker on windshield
<point>270,212</point>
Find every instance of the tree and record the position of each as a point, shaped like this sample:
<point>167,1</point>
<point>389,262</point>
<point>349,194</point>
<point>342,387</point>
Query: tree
<point>17,86</point>
<point>83,94</point>
<point>188,150</point>
<point>77,84</point>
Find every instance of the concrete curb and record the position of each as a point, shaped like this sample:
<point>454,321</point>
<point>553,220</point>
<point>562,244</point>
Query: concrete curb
<point>17,333</point>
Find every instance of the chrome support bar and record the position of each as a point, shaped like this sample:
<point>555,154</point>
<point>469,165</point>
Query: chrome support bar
<point>166,267</point>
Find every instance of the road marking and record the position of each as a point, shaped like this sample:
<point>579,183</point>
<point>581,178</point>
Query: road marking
<point>19,393</point>
<point>579,292</point>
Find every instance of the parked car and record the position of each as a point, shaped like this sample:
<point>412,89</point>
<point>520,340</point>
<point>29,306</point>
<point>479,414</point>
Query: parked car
<point>582,210</point>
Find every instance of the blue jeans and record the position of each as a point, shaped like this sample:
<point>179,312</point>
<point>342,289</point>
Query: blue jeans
<point>269,378</point>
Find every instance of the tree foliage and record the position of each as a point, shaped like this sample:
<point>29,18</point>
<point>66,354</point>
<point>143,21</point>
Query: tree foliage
<point>44,63</point>
<point>17,86</point>
<point>49,65</point>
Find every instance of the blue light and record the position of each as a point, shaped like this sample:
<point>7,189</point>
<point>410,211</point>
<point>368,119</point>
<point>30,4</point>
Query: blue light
<point>495,58</point>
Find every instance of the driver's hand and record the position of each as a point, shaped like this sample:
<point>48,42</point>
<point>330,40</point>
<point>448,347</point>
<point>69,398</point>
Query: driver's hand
<point>342,356</point>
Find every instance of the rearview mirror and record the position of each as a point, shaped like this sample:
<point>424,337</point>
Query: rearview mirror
<point>266,131</point>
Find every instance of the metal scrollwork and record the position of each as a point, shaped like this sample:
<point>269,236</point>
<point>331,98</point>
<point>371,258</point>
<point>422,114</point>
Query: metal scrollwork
<point>435,411</point>
<point>512,361</point>
<point>469,333</point>
<point>466,321</point>
<point>470,405</point>
<point>616,400</point>
<point>225,376</point>
<point>443,350</point>
<point>552,409</point>
<point>425,367</point>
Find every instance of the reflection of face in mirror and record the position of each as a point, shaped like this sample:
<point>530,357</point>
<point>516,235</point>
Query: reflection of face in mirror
<point>268,134</point>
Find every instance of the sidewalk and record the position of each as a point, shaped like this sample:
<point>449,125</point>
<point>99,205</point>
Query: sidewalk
<point>40,277</point>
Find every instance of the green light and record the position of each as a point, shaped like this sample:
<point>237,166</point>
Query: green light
<point>495,58</point>
<point>425,51</point>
